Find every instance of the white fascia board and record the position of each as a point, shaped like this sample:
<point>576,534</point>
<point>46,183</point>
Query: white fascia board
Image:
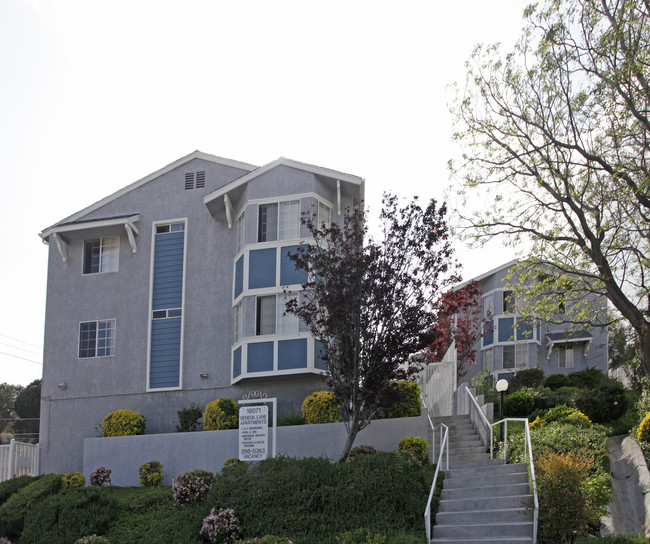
<point>487,274</point>
<point>101,223</point>
<point>177,163</point>
<point>219,193</point>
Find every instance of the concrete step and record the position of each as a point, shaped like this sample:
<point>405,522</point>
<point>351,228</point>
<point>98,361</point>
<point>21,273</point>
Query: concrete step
<point>498,515</point>
<point>494,466</point>
<point>470,504</point>
<point>474,530</point>
<point>462,482</point>
<point>494,492</point>
<point>484,540</point>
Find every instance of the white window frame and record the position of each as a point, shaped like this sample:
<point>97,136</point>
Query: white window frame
<point>109,255</point>
<point>110,349</point>
<point>566,356</point>
<point>289,220</point>
<point>503,358</point>
<point>241,231</point>
<point>522,355</point>
<point>239,321</point>
<point>324,214</point>
<point>488,359</point>
<point>264,328</point>
<point>285,324</point>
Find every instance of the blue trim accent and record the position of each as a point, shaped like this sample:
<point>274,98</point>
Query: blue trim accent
<point>168,271</point>
<point>239,276</point>
<point>506,329</point>
<point>292,354</point>
<point>165,353</point>
<point>319,349</point>
<point>261,268</point>
<point>289,275</point>
<point>488,333</point>
<point>236,363</point>
<point>260,357</point>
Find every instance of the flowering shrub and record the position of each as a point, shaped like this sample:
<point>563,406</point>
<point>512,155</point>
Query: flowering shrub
<point>100,476</point>
<point>151,474</point>
<point>643,434</point>
<point>123,423</point>
<point>92,539</point>
<point>191,487</point>
<point>221,526</point>
<point>416,445</point>
<point>4,540</point>
<point>73,479</point>
<point>537,422</point>
<point>233,461</point>
<point>360,450</point>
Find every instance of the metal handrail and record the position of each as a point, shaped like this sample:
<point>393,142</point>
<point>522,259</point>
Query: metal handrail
<point>486,422</point>
<point>444,446</point>
<point>528,455</point>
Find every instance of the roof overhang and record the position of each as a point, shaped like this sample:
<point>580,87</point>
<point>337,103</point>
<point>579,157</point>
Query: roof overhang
<point>221,199</point>
<point>566,337</point>
<point>63,233</point>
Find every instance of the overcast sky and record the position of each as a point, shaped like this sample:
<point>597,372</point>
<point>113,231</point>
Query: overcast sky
<point>95,95</point>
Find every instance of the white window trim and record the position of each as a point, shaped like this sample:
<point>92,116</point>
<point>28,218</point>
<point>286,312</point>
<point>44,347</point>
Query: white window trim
<point>101,239</point>
<point>155,224</point>
<point>114,321</point>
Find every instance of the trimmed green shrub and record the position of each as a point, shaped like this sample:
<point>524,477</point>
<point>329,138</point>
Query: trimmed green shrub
<point>73,479</point>
<point>123,423</point>
<point>578,419</point>
<point>604,404</point>
<point>290,418</point>
<point>558,413</point>
<point>321,407</point>
<point>409,403</point>
<point>527,377</point>
<point>221,414</point>
<point>70,515</point>
<point>266,539</point>
<point>416,445</point>
<point>518,404</point>
<point>13,511</point>
<point>151,474</point>
<point>562,395</point>
<point>188,419</point>
<point>304,498</point>
<point>555,381</point>
<point>589,378</point>
<point>360,536</point>
<point>9,487</point>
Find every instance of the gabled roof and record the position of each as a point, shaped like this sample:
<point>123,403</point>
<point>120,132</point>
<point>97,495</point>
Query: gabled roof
<point>282,161</point>
<point>180,162</point>
<point>487,274</point>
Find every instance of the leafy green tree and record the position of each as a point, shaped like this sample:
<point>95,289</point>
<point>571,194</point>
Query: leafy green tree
<point>8,394</point>
<point>370,302</point>
<point>28,410</point>
<point>555,148</point>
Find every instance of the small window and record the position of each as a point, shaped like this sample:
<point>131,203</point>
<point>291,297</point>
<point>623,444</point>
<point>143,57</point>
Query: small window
<point>509,302</point>
<point>565,356</point>
<point>324,215</point>
<point>266,312</point>
<point>521,355</point>
<point>167,314</point>
<point>267,225</point>
<point>508,356</point>
<point>487,360</point>
<point>289,223</point>
<point>488,306</point>
<point>101,255</point>
<point>240,231</point>
<point>286,324</point>
<point>171,227</point>
<point>97,339</point>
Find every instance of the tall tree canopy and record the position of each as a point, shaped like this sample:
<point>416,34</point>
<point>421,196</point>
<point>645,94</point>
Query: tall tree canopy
<point>369,302</point>
<point>555,139</point>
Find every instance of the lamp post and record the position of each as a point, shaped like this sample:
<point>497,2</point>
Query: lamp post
<point>502,387</point>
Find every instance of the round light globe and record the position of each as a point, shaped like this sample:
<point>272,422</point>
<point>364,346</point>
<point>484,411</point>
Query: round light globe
<point>502,386</point>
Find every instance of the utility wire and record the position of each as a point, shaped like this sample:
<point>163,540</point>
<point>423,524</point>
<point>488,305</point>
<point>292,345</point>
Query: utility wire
<point>23,358</point>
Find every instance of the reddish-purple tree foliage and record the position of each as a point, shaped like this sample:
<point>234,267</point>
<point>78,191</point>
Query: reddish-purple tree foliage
<point>459,317</point>
<point>370,302</point>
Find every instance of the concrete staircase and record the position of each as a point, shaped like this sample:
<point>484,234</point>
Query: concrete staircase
<point>483,500</point>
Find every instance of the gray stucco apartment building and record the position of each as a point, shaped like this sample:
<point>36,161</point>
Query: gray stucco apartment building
<point>169,293</point>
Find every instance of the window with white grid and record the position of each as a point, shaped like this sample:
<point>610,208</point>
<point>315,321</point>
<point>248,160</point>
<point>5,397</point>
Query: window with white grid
<point>324,215</point>
<point>286,324</point>
<point>97,339</point>
<point>487,360</point>
<point>101,255</point>
<point>289,221</point>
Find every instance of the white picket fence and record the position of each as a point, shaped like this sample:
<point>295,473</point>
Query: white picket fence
<point>18,459</point>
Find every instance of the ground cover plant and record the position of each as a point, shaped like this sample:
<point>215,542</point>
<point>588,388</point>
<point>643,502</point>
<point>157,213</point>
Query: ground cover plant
<point>298,500</point>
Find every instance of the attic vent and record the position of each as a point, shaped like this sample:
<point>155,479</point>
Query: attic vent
<point>189,180</point>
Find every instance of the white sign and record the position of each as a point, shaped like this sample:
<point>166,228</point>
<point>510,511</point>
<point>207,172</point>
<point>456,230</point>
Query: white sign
<point>253,433</point>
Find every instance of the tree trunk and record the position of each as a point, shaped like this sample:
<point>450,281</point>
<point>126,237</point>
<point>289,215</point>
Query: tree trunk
<point>353,431</point>
<point>644,347</point>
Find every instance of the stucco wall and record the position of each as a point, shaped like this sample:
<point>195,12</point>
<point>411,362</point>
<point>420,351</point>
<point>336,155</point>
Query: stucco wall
<point>181,452</point>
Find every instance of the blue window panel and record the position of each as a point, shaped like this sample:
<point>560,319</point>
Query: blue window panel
<point>319,352</point>
<point>261,268</point>
<point>260,357</point>
<point>488,333</point>
<point>239,276</point>
<point>288,273</point>
<point>236,363</point>
<point>168,271</point>
<point>506,329</point>
<point>524,329</point>
<point>165,353</point>
<point>292,354</point>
